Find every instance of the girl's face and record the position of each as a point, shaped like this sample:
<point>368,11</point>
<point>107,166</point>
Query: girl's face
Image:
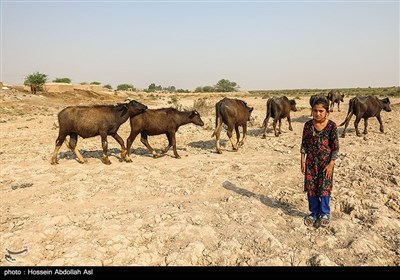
<point>319,112</point>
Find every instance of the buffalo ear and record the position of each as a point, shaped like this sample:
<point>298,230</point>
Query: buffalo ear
<point>123,108</point>
<point>251,109</point>
<point>192,114</point>
<point>386,100</point>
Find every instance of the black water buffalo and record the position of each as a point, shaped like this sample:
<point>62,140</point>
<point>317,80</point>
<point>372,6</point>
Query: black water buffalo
<point>365,107</point>
<point>335,96</point>
<point>160,121</point>
<point>233,113</point>
<point>90,121</point>
<point>279,108</point>
<point>315,97</point>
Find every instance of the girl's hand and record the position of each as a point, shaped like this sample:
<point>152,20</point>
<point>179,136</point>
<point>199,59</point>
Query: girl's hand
<point>329,170</point>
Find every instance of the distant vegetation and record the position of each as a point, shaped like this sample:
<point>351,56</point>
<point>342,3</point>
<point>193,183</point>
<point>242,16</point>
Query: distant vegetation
<point>221,86</point>
<point>226,86</point>
<point>125,87</point>
<point>385,91</point>
<point>62,80</point>
<point>108,86</point>
<point>37,79</point>
<point>95,83</point>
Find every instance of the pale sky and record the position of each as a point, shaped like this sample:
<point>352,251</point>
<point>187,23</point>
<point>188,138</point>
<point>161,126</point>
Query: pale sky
<point>186,44</point>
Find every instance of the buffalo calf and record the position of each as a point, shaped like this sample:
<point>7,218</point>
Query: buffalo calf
<point>233,113</point>
<point>90,121</point>
<point>335,96</point>
<point>279,108</point>
<point>365,107</point>
<point>160,121</point>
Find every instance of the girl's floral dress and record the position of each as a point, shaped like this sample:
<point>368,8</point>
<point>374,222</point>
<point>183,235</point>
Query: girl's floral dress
<point>320,147</point>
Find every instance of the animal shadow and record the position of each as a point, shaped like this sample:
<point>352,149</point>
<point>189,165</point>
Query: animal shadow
<point>255,132</point>
<point>204,145</point>
<point>92,154</point>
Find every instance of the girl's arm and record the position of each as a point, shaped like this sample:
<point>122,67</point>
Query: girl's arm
<point>334,141</point>
<point>303,163</point>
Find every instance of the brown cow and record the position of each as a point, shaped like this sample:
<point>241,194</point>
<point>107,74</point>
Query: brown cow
<point>233,113</point>
<point>335,96</point>
<point>90,121</point>
<point>279,108</point>
<point>160,121</point>
<point>365,107</point>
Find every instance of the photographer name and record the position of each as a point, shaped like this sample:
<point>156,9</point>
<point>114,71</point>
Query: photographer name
<point>60,272</point>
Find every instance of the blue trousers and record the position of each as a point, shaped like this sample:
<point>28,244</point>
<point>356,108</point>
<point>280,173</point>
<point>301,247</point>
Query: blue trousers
<point>319,205</point>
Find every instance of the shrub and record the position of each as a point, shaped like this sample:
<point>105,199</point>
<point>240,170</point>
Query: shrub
<point>125,87</point>
<point>37,79</point>
<point>62,80</point>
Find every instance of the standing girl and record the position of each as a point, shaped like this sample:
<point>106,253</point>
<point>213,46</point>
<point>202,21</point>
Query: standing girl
<point>319,150</point>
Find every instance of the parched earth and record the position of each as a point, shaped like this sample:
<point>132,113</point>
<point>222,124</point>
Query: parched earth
<point>242,208</point>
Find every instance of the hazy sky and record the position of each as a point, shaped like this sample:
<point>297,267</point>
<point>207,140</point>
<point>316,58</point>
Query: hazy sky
<point>258,44</point>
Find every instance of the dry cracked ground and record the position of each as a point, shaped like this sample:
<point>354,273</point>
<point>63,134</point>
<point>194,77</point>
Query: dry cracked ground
<point>243,208</point>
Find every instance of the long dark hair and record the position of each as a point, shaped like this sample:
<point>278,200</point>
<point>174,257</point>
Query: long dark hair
<point>323,101</point>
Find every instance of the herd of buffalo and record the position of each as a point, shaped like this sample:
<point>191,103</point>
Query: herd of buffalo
<point>104,120</point>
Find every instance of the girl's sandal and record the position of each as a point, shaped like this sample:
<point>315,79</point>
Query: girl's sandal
<point>325,220</point>
<point>310,220</point>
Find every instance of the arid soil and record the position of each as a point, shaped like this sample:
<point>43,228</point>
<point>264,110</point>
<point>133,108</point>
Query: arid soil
<point>243,208</point>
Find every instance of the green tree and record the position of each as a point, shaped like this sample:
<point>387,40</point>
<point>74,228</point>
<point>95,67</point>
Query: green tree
<point>62,80</point>
<point>152,87</point>
<point>226,86</point>
<point>108,86</point>
<point>36,79</point>
<point>170,88</point>
<point>95,83</point>
<point>208,89</point>
<point>125,87</point>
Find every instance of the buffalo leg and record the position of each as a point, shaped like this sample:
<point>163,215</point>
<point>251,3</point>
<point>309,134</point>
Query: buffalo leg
<point>346,124</point>
<point>265,127</point>
<point>290,123</point>
<point>241,143</point>
<point>169,136</point>
<point>356,122</point>
<point>104,145</point>
<point>59,142</point>
<point>274,125</point>
<point>237,136</point>
<point>143,139</point>
<point>73,140</point>
<point>122,144</point>
<point>217,133</point>
<point>380,123</point>
<point>331,106</point>
<point>230,134</point>
<point>365,125</point>
<point>338,106</point>
<point>129,142</point>
<point>174,145</point>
